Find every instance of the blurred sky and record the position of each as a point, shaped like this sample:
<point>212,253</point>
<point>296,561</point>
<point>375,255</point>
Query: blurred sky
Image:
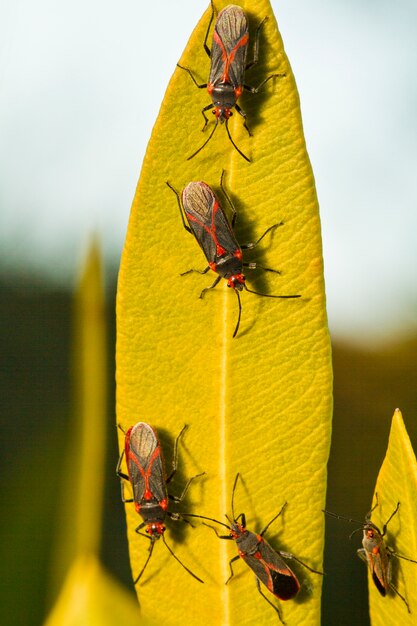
<point>81,83</point>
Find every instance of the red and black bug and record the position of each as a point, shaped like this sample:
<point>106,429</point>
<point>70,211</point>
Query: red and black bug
<point>375,553</point>
<point>206,220</point>
<point>227,68</point>
<point>267,564</point>
<point>146,474</point>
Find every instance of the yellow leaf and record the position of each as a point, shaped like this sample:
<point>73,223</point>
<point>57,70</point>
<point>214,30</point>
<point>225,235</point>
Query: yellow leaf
<point>259,404</point>
<point>90,597</point>
<point>80,531</point>
<point>397,482</point>
<point>91,401</point>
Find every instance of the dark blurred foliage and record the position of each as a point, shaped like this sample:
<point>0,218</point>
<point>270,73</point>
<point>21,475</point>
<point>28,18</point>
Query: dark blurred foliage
<point>35,386</point>
<point>36,408</point>
<point>368,387</point>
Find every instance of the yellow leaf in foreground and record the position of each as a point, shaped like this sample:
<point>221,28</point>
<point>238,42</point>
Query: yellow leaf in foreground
<point>397,482</point>
<point>83,476</point>
<point>259,404</point>
<point>90,597</point>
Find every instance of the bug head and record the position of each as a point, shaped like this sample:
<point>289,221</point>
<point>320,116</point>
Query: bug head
<point>236,529</point>
<point>155,530</point>
<point>372,538</point>
<point>222,114</point>
<point>237,281</point>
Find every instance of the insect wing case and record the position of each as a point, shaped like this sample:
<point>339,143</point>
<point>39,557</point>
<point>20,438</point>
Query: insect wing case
<point>145,464</point>
<point>269,567</point>
<point>380,574</point>
<point>229,47</point>
<point>208,221</point>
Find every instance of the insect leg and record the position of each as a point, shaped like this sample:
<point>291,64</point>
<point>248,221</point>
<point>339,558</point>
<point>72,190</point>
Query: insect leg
<point>178,517</point>
<point>122,494</point>
<point>243,114</point>
<point>395,590</point>
<point>369,514</point>
<point>184,223</point>
<point>186,69</point>
<point>207,108</point>
<point>288,555</point>
<point>226,195</point>
<point>137,530</point>
<point>211,287</point>
<point>400,556</point>
<point>258,584</point>
<point>250,246</point>
<point>198,271</point>
<point>119,473</point>
<point>180,498</point>
<point>256,89</point>
<point>123,476</point>
<point>256,46</point>
<point>235,558</point>
<point>175,455</point>
<point>273,519</point>
<point>362,555</point>
<point>256,266</point>
<point>390,518</point>
<point>206,48</point>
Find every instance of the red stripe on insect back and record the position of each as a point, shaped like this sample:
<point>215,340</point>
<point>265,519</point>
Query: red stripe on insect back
<point>229,58</point>
<point>217,39</point>
<point>147,495</point>
<point>243,41</point>
<point>210,230</point>
<point>220,250</point>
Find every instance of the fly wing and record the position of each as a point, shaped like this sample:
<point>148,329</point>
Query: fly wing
<point>273,572</point>
<point>229,47</point>
<point>208,221</point>
<point>145,464</point>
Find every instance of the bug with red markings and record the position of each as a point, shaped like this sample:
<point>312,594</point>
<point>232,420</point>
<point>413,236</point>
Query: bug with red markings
<point>375,553</point>
<point>267,564</point>
<point>146,474</point>
<point>227,68</point>
<point>203,217</point>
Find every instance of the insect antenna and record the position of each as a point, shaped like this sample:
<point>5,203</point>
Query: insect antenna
<point>180,562</point>
<point>233,143</point>
<point>269,295</point>
<point>210,519</point>
<point>355,531</point>
<point>346,519</point>
<point>239,316</point>
<point>146,562</point>
<point>205,143</point>
<point>233,496</point>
